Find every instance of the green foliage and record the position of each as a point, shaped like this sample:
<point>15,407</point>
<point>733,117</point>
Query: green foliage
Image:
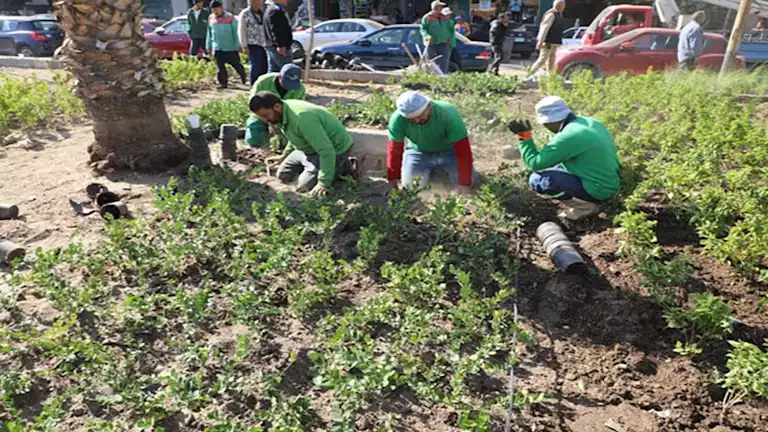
<point>216,113</point>
<point>374,111</point>
<point>187,72</point>
<point>29,104</point>
<point>747,374</point>
<point>461,83</point>
<point>707,320</point>
<point>687,136</point>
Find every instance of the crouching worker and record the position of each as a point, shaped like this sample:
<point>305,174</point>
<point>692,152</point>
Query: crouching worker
<point>287,85</point>
<point>436,138</point>
<point>318,147</point>
<point>579,166</point>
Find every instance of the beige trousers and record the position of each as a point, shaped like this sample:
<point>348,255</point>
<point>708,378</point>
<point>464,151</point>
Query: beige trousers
<point>546,57</point>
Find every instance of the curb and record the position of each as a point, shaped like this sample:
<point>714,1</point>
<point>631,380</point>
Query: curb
<point>30,62</point>
<point>355,76</point>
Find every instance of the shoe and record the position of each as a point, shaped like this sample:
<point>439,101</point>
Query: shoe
<point>354,168</point>
<point>579,209</point>
<point>221,86</point>
<point>243,79</point>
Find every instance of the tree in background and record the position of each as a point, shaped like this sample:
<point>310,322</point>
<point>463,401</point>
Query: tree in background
<point>119,81</point>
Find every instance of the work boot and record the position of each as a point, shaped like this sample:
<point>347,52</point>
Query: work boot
<point>354,168</point>
<point>579,209</point>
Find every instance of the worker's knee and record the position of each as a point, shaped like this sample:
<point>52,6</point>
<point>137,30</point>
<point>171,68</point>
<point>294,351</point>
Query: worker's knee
<point>537,182</point>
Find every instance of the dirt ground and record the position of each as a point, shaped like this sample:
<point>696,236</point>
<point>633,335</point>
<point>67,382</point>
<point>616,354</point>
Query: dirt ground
<point>602,352</point>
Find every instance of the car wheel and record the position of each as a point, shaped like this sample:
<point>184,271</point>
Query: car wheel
<point>297,51</point>
<point>453,67</point>
<point>525,56</point>
<point>577,68</point>
<point>25,51</point>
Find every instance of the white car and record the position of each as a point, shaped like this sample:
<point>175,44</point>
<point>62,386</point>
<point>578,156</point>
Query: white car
<point>573,35</point>
<point>333,31</point>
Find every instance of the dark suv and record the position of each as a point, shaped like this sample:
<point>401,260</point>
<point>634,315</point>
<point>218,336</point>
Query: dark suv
<point>29,36</point>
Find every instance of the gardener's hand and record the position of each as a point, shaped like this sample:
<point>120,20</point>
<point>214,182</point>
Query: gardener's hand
<point>282,51</point>
<point>392,185</point>
<point>319,190</point>
<point>521,128</point>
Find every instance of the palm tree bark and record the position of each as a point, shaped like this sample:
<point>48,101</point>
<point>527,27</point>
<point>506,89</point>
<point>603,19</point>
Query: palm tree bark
<point>118,78</point>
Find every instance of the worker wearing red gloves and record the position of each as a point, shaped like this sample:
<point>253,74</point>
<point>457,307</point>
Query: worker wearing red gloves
<point>436,138</point>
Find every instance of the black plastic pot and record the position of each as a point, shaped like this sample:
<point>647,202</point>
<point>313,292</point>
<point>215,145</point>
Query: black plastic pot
<point>94,189</point>
<point>201,153</point>
<point>9,251</point>
<point>228,136</point>
<point>116,210</point>
<point>560,250</point>
<point>8,211</point>
<point>106,197</point>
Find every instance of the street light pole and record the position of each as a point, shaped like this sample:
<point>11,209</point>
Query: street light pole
<point>735,40</point>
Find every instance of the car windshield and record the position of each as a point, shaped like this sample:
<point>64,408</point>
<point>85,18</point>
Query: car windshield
<point>620,38</point>
<point>592,29</point>
<point>45,25</point>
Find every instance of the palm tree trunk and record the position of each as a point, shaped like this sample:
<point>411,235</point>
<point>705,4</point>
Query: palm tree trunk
<point>120,83</point>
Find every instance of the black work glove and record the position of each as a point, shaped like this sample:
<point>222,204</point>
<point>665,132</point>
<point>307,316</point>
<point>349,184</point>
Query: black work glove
<point>520,127</point>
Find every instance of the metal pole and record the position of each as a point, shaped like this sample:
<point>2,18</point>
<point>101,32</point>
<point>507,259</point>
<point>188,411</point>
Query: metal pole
<point>308,54</point>
<point>735,39</point>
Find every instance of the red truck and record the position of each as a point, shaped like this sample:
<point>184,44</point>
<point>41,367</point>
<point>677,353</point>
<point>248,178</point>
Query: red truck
<point>616,20</point>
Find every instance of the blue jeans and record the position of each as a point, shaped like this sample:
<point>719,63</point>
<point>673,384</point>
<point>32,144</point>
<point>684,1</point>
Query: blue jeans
<point>444,51</point>
<point>257,60</point>
<point>276,61</point>
<point>559,184</point>
<point>418,164</point>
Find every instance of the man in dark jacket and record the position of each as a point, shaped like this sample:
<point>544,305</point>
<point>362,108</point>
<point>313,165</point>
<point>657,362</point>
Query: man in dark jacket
<point>197,27</point>
<point>498,33</point>
<point>279,35</point>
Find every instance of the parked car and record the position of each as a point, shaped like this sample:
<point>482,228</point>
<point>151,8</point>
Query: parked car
<point>30,36</point>
<point>148,25</point>
<point>573,35</point>
<point>170,38</point>
<point>333,31</point>
<point>303,23</point>
<point>636,51</point>
<point>383,49</point>
<point>524,39</point>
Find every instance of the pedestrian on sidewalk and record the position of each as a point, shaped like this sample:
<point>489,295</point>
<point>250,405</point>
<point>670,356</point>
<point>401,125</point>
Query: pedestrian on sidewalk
<point>455,57</point>
<point>579,166</point>
<point>223,42</point>
<point>253,38</point>
<point>279,35</point>
<point>516,9</point>
<point>498,34</point>
<point>550,38</point>
<point>439,36</point>
<point>197,27</point>
<point>691,42</point>
<point>319,146</point>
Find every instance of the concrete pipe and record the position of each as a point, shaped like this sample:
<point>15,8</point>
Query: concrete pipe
<point>560,250</point>
<point>228,136</point>
<point>8,211</point>
<point>201,153</point>
<point>9,251</point>
<point>116,210</point>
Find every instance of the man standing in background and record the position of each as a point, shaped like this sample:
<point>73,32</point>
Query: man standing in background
<point>438,35</point>
<point>279,35</point>
<point>516,8</point>
<point>691,42</point>
<point>253,38</point>
<point>498,34</point>
<point>197,27</point>
<point>224,42</point>
<point>455,57</point>
<point>550,38</point>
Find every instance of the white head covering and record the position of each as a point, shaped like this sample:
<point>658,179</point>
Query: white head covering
<point>552,109</point>
<point>411,104</point>
<point>447,11</point>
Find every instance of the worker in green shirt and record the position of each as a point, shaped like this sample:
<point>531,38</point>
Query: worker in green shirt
<point>318,144</point>
<point>438,35</point>
<point>287,85</point>
<point>579,166</point>
<point>436,138</point>
<point>197,27</point>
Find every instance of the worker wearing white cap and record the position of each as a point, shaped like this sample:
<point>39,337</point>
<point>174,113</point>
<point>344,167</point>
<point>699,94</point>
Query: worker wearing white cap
<point>439,35</point>
<point>579,166</point>
<point>425,134</point>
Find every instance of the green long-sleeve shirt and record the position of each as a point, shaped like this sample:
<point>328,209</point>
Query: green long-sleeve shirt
<point>313,129</point>
<point>222,33</point>
<point>437,30</point>
<point>586,149</point>
<point>256,130</point>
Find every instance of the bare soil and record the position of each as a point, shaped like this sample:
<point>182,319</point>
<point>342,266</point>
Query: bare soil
<point>602,352</point>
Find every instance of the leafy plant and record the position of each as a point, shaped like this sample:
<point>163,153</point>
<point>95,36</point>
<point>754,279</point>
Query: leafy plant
<point>708,319</point>
<point>747,374</point>
<point>187,72</point>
